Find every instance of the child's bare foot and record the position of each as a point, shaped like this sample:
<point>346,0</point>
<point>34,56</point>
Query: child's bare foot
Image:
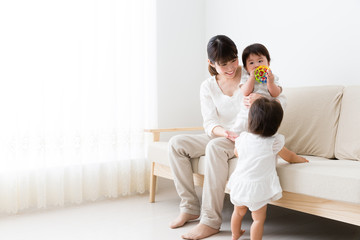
<point>200,231</point>
<point>182,219</point>
<point>236,237</point>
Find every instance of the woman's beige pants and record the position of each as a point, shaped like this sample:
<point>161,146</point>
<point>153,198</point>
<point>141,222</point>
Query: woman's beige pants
<point>217,152</point>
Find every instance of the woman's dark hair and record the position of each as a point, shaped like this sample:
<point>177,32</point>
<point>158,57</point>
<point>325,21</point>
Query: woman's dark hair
<point>265,117</point>
<point>257,49</point>
<point>220,49</point>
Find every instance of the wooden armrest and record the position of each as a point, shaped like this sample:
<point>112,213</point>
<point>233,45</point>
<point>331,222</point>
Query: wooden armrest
<point>156,131</point>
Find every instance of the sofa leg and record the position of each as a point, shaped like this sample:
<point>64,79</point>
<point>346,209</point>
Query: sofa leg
<point>153,179</point>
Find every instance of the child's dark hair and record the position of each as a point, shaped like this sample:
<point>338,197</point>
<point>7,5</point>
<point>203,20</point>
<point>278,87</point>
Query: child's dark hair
<point>220,49</point>
<point>265,117</point>
<point>257,49</point>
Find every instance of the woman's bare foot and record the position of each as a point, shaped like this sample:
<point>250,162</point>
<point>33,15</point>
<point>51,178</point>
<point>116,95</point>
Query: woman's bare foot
<point>200,231</point>
<point>236,237</point>
<point>182,219</point>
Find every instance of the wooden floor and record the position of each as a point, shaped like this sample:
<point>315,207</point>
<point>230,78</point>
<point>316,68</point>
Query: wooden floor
<point>134,218</point>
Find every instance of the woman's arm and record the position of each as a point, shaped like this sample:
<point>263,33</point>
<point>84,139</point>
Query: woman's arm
<point>282,100</point>
<point>208,110</point>
<point>210,115</point>
<point>291,157</point>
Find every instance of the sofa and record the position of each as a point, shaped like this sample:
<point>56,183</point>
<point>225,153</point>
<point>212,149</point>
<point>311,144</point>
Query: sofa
<point>321,123</point>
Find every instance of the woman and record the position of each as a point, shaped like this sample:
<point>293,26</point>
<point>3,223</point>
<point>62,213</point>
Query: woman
<point>220,102</point>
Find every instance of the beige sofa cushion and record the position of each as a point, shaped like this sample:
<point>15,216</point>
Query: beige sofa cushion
<point>158,152</point>
<point>347,145</point>
<point>330,179</point>
<point>315,134</point>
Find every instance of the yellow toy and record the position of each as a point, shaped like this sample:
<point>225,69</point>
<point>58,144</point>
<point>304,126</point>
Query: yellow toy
<point>260,73</point>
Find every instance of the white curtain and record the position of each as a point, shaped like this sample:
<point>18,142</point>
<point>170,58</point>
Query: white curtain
<point>76,90</point>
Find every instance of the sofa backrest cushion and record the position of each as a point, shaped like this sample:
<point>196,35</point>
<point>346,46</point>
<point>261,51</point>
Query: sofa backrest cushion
<point>311,119</point>
<point>347,145</point>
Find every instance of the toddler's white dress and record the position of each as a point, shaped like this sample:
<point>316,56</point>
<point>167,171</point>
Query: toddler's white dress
<point>254,181</point>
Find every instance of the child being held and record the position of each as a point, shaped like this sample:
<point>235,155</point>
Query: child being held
<point>255,183</point>
<point>253,56</point>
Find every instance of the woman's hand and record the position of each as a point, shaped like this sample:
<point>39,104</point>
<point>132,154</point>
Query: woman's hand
<point>231,135</point>
<point>221,132</point>
<point>248,100</point>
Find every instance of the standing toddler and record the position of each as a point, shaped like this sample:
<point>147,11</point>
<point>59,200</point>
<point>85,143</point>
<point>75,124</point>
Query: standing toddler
<point>255,183</point>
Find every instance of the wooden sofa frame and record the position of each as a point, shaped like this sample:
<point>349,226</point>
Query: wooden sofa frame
<point>336,210</point>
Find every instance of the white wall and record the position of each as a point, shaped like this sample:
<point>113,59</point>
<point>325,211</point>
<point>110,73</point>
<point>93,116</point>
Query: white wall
<point>310,42</point>
<point>181,53</point>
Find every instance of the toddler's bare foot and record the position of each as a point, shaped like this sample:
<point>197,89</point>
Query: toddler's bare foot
<point>236,237</point>
<point>182,219</point>
<point>200,231</point>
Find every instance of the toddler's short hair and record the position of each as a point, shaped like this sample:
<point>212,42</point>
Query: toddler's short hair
<point>265,117</point>
<point>257,49</point>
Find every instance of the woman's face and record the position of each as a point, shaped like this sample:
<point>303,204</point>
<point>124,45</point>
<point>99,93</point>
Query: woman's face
<point>253,61</point>
<point>227,69</point>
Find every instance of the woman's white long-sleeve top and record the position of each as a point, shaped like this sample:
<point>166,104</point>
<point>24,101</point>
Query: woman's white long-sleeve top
<point>218,109</point>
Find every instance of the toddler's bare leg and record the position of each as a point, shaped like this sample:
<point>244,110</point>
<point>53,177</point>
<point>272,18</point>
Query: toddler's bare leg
<point>236,219</point>
<point>257,227</point>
